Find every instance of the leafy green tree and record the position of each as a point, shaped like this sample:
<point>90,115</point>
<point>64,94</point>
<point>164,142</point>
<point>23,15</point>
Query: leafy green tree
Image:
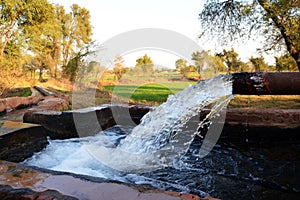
<point>11,60</point>
<point>277,20</point>
<point>17,19</point>
<point>245,67</point>
<point>259,64</point>
<point>10,70</point>
<point>41,63</point>
<point>17,15</point>
<point>217,63</point>
<point>200,58</point>
<point>38,35</point>
<point>88,73</point>
<point>71,70</point>
<point>43,42</point>
<point>56,37</point>
<point>187,71</point>
<point>144,64</point>
<point>77,31</point>
<point>232,60</point>
<point>64,34</point>
<point>285,63</point>
<point>181,65</point>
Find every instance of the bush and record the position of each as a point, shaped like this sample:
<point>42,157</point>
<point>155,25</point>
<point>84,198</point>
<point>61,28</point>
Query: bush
<point>192,75</point>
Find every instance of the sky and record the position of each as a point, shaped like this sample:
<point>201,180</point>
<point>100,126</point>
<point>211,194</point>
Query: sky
<point>110,18</point>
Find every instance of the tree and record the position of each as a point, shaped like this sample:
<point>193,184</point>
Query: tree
<point>187,71</point>
<point>259,64</point>
<point>76,29</point>
<point>207,64</point>
<point>277,20</point>
<point>181,65</point>
<point>199,58</point>
<point>68,35</point>
<point>40,62</point>
<point>285,63</point>
<point>56,37</point>
<point>76,38</point>
<point>43,42</point>
<point>17,15</point>
<point>145,64</point>
<point>10,63</point>
<point>231,58</point>
<point>119,67</point>
<point>217,63</point>
<point>71,70</point>
<point>11,60</point>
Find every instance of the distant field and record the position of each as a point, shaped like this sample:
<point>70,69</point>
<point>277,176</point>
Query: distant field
<point>151,93</point>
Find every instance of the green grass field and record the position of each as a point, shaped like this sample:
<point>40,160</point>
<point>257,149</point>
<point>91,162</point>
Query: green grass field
<point>150,93</point>
<point>157,93</point>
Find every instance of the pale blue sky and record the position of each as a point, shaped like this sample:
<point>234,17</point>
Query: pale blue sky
<point>112,17</point>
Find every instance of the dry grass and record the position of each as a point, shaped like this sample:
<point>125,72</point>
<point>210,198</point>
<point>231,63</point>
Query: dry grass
<point>61,85</point>
<point>266,101</point>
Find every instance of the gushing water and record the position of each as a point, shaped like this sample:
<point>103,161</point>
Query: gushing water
<point>162,137</point>
<point>159,126</point>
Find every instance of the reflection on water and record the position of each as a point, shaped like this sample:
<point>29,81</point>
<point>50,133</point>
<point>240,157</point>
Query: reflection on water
<point>19,177</point>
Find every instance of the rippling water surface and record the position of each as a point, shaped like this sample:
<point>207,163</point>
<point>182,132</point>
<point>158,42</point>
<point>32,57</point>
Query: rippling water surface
<point>226,172</point>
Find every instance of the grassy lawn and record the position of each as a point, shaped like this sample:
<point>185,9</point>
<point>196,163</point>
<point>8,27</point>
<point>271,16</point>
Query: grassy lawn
<point>151,93</point>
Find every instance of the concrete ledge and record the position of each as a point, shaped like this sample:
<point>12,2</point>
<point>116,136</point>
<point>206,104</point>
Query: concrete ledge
<point>89,121</point>
<point>9,127</point>
<point>241,125</point>
<point>19,141</point>
<point>22,182</point>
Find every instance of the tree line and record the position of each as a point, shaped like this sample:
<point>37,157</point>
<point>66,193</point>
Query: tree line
<point>228,61</point>
<point>205,64</point>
